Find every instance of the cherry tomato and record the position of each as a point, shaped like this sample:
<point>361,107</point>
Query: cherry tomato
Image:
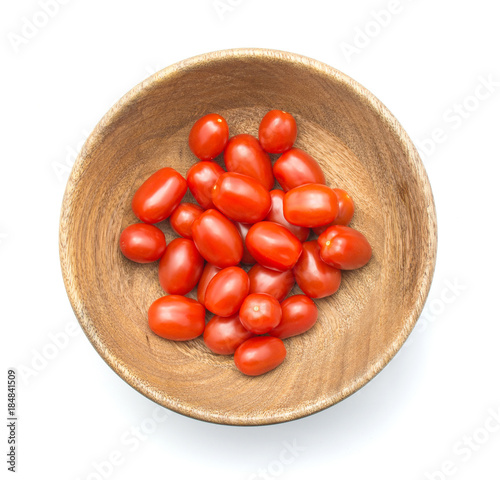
<point>295,168</point>
<point>208,136</point>
<point>182,219</point>
<point>299,314</point>
<point>201,179</point>
<point>159,195</point>
<point>180,267</point>
<point>176,318</point>
<point>259,355</point>
<point>277,131</point>
<point>310,205</point>
<point>226,291</point>
<point>276,215</point>
<point>217,239</point>
<point>142,243</point>
<point>243,154</point>
<point>315,278</point>
<point>345,248</point>
<point>272,282</point>
<point>346,211</point>
<point>223,335</point>
<point>241,198</point>
<point>209,272</point>
<point>273,246</point>
<point>243,228</point>
<point>260,313</point>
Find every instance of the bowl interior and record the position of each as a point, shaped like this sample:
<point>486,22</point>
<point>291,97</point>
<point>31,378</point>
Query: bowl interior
<point>361,149</point>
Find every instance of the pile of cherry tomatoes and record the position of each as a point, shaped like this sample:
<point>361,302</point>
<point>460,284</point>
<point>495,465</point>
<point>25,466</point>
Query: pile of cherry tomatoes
<point>240,219</point>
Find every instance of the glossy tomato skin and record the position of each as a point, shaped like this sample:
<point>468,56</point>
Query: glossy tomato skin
<point>180,267</point>
<point>217,239</point>
<point>241,198</point>
<point>344,247</point>
<point>159,195</point>
<point>299,314</point>
<point>260,313</point>
<point>226,291</point>
<point>176,318</point>
<point>273,246</point>
<point>295,168</point>
<point>223,335</point>
<point>272,282</point>
<point>345,213</point>
<point>315,278</point>
<point>243,228</point>
<point>244,154</point>
<point>142,243</point>
<point>311,205</point>
<point>208,273</point>
<point>276,215</point>
<point>277,131</point>
<point>208,136</point>
<point>201,179</point>
<point>182,219</point>
<point>259,355</point>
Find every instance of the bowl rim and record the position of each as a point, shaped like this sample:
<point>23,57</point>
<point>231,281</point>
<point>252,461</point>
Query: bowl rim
<point>95,138</point>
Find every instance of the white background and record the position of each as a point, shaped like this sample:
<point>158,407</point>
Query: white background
<point>436,406</point>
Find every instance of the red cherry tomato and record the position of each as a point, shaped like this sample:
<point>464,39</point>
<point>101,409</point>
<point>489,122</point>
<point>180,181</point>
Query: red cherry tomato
<point>176,318</point>
<point>226,291</point>
<point>159,195</point>
<point>208,136</point>
<point>310,205</point>
<point>259,355</point>
<point>260,313</point>
<point>345,248</point>
<point>241,198</point>
<point>244,154</point>
<point>276,215</point>
<point>243,228</point>
<point>277,131</point>
<point>223,335</point>
<point>217,239</point>
<point>201,179</point>
<point>182,219</point>
<point>272,282</point>
<point>180,267</point>
<point>295,168</point>
<point>345,214</point>
<point>315,278</point>
<point>273,246</point>
<point>209,272</point>
<point>299,314</point>
<point>142,243</point>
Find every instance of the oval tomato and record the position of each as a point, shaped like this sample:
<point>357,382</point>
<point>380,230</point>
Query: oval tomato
<point>259,355</point>
<point>310,205</point>
<point>208,136</point>
<point>295,168</point>
<point>241,198</point>
<point>208,273</point>
<point>180,267</point>
<point>243,228</point>
<point>176,318</point>
<point>299,314</point>
<point>272,282</point>
<point>260,313</point>
<point>345,213</point>
<point>273,246</point>
<point>201,179</point>
<point>277,131</point>
<point>223,335</point>
<point>159,195</point>
<point>226,291</point>
<point>344,247</point>
<point>217,239</point>
<point>142,243</point>
<point>182,219</point>
<point>244,154</point>
<point>315,278</point>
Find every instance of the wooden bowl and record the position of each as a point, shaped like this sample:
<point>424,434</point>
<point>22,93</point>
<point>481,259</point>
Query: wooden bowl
<point>361,148</point>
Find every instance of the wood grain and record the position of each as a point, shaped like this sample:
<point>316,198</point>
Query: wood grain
<point>361,147</point>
